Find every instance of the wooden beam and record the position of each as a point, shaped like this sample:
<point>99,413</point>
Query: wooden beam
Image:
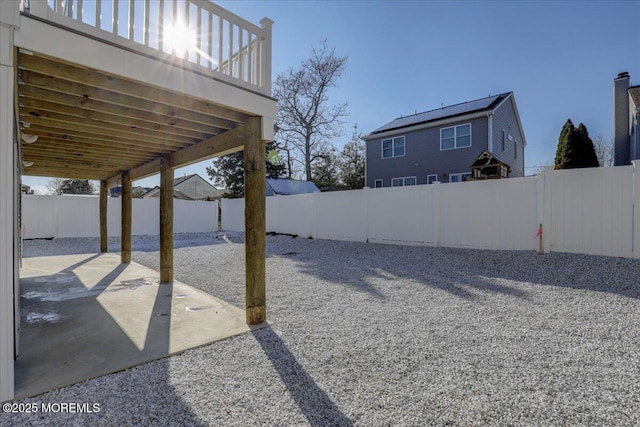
<point>125,235</point>
<point>255,230</point>
<point>145,170</point>
<point>225,143</point>
<point>103,216</point>
<point>166,221</point>
<point>220,145</point>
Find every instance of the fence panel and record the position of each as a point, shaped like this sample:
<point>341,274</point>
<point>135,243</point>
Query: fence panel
<point>588,211</point>
<point>592,211</point>
<point>497,214</point>
<point>342,215</point>
<point>39,221</point>
<point>79,216</point>
<point>192,216</point>
<point>296,214</point>
<point>233,214</point>
<point>401,215</point>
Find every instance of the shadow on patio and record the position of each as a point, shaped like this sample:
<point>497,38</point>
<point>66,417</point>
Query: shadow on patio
<point>85,316</point>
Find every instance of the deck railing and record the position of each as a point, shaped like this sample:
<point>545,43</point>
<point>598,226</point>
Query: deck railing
<point>197,31</point>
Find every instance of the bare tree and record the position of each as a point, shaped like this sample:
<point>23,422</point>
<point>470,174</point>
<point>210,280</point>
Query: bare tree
<point>54,186</point>
<point>305,120</point>
<point>604,149</point>
<point>351,161</point>
<point>69,186</point>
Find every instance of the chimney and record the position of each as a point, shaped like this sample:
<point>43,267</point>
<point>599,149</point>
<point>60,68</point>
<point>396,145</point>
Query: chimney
<point>622,148</point>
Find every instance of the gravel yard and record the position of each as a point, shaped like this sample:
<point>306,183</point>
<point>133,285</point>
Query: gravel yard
<point>372,335</point>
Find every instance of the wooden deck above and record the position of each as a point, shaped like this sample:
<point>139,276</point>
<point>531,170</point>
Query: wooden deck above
<point>101,104</point>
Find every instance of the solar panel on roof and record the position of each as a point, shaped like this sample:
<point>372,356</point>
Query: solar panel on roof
<point>440,113</point>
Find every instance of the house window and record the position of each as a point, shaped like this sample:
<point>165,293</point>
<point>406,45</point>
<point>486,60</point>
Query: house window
<point>458,177</point>
<point>378,183</point>
<point>515,149</point>
<point>432,178</point>
<point>504,140</point>
<point>393,147</point>
<point>455,137</point>
<point>401,182</point>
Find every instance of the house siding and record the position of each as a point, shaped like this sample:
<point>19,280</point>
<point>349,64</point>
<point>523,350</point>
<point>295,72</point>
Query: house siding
<point>504,118</point>
<point>423,156</point>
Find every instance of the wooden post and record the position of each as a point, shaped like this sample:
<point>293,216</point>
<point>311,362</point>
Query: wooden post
<point>254,214</point>
<point>125,236</point>
<point>103,216</point>
<point>166,221</point>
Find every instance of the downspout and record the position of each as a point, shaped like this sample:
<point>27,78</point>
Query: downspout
<point>635,134</point>
<point>490,132</point>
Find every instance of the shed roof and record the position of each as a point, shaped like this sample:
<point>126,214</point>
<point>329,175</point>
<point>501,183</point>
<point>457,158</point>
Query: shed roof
<point>289,186</point>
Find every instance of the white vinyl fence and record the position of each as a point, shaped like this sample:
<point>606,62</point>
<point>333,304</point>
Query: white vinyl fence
<point>79,216</point>
<point>587,211</point>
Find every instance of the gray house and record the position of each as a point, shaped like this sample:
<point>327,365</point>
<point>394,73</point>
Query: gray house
<point>442,144</point>
<point>626,114</point>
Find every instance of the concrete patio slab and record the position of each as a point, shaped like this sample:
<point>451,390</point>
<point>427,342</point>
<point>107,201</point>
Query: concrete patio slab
<point>84,316</point>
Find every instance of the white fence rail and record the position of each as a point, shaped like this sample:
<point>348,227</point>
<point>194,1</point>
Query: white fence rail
<point>591,211</point>
<point>198,31</point>
<point>79,216</point>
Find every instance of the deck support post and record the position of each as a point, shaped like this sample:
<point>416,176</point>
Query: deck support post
<point>125,235</point>
<point>166,220</point>
<point>255,229</point>
<point>103,216</point>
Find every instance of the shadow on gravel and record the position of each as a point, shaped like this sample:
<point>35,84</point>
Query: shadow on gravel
<point>460,272</point>
<point>83,245</point>
<point>314,403</point>
<point>368,268</point>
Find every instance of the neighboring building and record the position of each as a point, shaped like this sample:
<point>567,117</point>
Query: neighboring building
<point>190,187</point>
<point>135,191</point>
<point>442,144</point>
<point>285,187</point>
<point>626,114</point>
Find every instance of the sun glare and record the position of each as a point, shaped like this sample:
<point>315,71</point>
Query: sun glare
<point>180,39</point>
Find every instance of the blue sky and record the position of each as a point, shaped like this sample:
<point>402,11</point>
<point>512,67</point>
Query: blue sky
<point>559,58</point>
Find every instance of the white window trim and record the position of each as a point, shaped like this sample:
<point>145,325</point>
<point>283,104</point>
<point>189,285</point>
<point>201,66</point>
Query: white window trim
<point>430,175</point>
<point>455,137</point>
<point>404,178</point>
<point>392,139</point>
<point>375,183</point>
<point>460,174</point>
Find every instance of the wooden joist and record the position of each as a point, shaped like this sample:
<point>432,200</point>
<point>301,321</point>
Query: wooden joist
<point>34,65</point>
<point>32,96</point>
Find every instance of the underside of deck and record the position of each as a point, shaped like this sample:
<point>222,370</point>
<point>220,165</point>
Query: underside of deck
<point>88,99</point>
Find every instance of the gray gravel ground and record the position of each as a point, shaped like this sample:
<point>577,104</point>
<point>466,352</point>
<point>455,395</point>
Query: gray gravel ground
<point>377,335</point>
